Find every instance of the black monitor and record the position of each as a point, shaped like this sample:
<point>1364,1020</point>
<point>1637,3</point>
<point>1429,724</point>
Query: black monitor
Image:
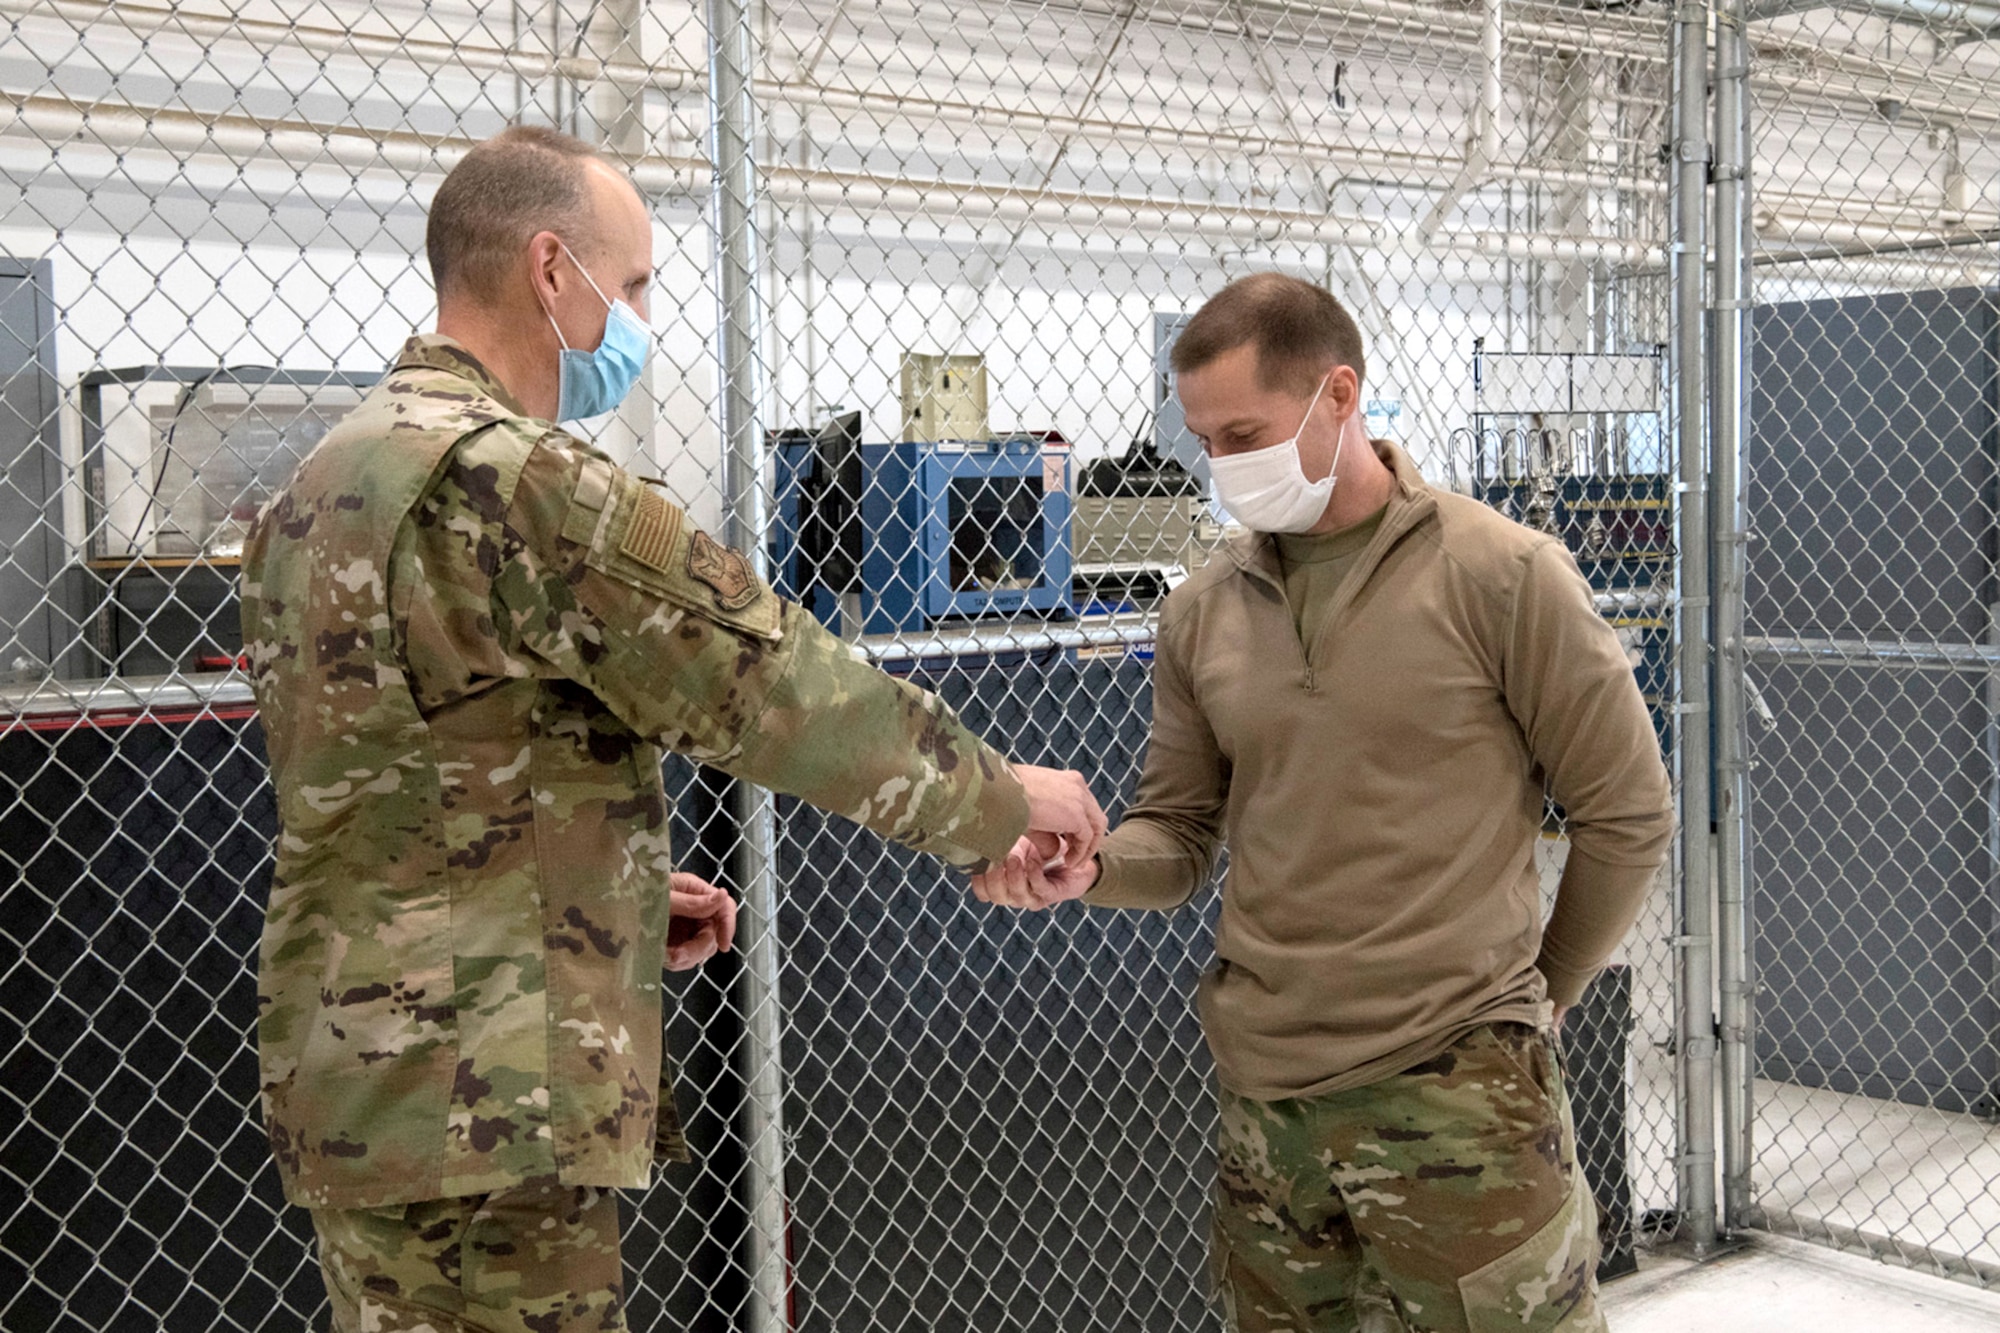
<point>830,529</point>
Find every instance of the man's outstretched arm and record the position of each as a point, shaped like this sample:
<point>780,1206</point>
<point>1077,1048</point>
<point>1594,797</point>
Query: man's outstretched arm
<point>607,583</point>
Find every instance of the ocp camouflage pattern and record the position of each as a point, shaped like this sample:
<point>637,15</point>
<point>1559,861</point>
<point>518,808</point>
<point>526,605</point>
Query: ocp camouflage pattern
<point>538,1258</point>
<point>1444,1199</point>
<point>470,636</point>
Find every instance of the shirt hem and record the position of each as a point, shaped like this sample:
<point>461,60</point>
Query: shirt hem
<point>1533,1013</point>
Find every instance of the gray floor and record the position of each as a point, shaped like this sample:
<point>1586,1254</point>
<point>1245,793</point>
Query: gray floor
<point>1777,1285</point>
<point>1896,1176</point>
<point>1907,1175</point>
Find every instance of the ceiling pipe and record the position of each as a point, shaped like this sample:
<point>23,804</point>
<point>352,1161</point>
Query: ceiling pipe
<point>1934,95</point>
<point>1351,160</point>
<point>1816,239</point>
<point>1863,251</point>
<point>287,151</point>
<point>1531,28</point>
<point>272,38</point>
<point>1482,148</point>
<point>290,151</point>
<point>1812,92</point>
<point>296,146</point>
<point>1984,19</point>
<point>1539,29</point>
<point>1963,14</point>
<point>1934,215</point>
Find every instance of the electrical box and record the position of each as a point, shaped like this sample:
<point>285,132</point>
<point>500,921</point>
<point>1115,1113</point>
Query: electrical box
<point>944,398</point>
<point>1171,440</point>
<point>1137,529</point>
<point>1142,524</point>
<point>180,460</point>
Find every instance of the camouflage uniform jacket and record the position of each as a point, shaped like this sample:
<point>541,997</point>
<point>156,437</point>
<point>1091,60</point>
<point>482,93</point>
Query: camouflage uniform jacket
<point>470,635</point>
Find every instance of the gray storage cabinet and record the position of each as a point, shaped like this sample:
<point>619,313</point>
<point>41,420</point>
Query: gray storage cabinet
<point>1873,886</point>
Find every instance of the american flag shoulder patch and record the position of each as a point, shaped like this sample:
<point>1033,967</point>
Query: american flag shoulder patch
<point>655,525</point>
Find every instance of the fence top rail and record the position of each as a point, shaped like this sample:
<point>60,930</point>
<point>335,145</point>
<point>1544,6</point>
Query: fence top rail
<point>1893,654</point>
<point>122,697</point>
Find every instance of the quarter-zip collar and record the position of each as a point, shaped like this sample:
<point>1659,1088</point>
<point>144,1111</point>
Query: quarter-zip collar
<point>1411,504</point>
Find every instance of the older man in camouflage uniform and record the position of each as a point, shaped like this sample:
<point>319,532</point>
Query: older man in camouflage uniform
<point>471,637</point>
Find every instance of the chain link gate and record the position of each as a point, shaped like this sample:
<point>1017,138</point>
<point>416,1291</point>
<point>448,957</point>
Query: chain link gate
<point>879,230</point>
<point>1861,1113</point>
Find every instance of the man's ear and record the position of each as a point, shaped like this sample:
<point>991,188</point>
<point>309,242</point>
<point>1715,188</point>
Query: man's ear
<point>548,267</point>
<point>1343,387</point>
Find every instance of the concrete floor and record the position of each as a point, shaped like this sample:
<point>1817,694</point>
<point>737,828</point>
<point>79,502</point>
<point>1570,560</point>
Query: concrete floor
<point>1908,1175</point>
<point>1777,1285</point>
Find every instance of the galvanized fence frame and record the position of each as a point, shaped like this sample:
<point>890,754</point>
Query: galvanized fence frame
<point>1853,569</point>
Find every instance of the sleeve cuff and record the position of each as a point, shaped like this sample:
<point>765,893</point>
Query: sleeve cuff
<point>985,826</point>
<point>1135,883</point>
<point>1566,985</point>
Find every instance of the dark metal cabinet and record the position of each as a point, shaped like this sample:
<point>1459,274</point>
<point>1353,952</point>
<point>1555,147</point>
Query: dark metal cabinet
<point>1873,877</point>
<point>33,630</point>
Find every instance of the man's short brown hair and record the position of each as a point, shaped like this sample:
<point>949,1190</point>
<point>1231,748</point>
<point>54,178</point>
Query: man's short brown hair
<point>522,181</point>
<point>1297,328</point>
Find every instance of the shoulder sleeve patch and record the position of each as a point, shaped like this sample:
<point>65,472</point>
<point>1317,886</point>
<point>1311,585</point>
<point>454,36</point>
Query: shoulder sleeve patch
<point>725,571</point>
<point>643,540</point>
<point>655,525</point>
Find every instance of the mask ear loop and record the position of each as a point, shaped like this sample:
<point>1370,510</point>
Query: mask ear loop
<point>1313,401</point>
<point>1340,442</point>
<point>578,264</point>
<point>558,328</point>
<point>593,281</point>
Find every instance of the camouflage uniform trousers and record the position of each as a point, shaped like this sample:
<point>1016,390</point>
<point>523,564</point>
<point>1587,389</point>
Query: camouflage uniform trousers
<point>1444,1199</point>
<point>538,1258</point>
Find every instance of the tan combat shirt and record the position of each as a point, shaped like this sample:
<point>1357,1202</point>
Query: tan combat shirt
<point>1381,789</point>
<point>470,638</point>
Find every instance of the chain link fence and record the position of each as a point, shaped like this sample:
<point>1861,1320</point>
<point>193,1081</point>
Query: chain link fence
<point>1867,671</point>
<point>918,272</point>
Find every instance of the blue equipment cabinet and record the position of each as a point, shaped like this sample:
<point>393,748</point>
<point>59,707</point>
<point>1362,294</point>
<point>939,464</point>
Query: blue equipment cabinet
<point>948,532</point>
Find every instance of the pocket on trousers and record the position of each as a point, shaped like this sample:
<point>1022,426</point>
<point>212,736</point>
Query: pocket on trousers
<point>1218,1271</point>
<point>1237,1292</point>
<point>1546,1282</point>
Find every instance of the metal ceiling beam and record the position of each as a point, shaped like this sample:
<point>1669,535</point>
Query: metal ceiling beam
<point>1952,15</point>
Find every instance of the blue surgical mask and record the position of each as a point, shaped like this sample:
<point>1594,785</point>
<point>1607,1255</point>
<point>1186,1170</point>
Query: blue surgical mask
<point>590,384</point>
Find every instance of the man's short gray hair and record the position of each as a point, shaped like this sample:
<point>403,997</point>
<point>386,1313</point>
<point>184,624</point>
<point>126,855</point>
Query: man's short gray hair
<point>522,181</point>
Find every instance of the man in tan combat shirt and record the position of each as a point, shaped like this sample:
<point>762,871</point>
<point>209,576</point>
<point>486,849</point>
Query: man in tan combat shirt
<point>471,636</point>
<point>1367,696</point>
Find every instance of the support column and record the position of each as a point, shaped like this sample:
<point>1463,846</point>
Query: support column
<point>738,185</point>
<point>1733,240</point>
<point>1687,269</point>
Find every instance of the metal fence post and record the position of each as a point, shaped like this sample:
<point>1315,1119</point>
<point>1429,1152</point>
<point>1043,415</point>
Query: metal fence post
<point>1687,254</point>
<point>1731,524</point>
<point>732,54</point>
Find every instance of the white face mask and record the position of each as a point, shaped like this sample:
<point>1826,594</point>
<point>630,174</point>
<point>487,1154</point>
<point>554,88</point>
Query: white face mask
<point>1266,489</point>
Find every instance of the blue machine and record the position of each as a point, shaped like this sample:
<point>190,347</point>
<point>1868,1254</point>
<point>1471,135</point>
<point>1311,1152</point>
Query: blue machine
<point>944,532</point>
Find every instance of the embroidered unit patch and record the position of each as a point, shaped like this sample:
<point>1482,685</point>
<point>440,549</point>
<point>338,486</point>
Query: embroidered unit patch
<point>723,570</point>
